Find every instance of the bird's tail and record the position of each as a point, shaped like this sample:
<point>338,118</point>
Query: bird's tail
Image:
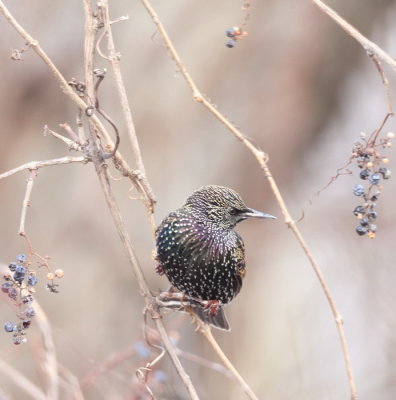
<point>218,321</point>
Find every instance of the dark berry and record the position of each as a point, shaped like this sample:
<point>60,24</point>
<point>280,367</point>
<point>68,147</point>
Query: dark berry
<point>385,172</point>
<point>230,44</point>
<point>358,190</point>
<point>19,274</point>
<point>32,280</point>
<point>361,230</point>
<point>9,327</point>
<point>364,221</point>
<point>359,210</point>
<point>364,174</point>
<point>29,312</point>
<point>373,228</point>
<point>21,258</point>
<point>6,286</point>
<point>12,266</point>
<point>372,214</point>
<point>374,179</point>
<point>26,324</point>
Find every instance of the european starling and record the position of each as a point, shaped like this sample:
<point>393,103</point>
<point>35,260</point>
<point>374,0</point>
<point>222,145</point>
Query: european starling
<point>201,254</point>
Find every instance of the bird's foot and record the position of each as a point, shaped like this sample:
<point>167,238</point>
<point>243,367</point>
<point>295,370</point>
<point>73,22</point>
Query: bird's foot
<point>213,307</point>
<point>159,270</point>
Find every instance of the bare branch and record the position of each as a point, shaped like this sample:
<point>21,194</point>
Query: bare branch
<point>369,46</point>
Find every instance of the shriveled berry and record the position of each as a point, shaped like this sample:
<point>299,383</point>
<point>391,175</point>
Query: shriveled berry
<point>358,190</point>
<point>12,293</point>
<point>230,44</point>
<point>373,228</point>
<point>385,172</point>
<point>5,287</point>
<point>374,179</point>
<point>32,280</point>
<point>27,299</point>
<point>230,32</point>
<point>29,312</point>
<point>364,221</point>
<point>361,230</point>
<point>359,210</point>
<point>21,258</point>
<point>364,174</point>
<point>9,326</point>
<point>12,266</point>
<point>18,340</point>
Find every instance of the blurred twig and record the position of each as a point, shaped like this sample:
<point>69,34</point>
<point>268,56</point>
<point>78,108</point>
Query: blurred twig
<point>21,381</point>
<point>50,362</point>
<point>262,160</point>
<point>369,46</point>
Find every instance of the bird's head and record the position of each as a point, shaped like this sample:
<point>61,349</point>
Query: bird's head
<point>222,205</point>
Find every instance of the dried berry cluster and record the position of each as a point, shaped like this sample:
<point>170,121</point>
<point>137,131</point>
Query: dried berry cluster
<point>373,170</point>
<point>235,33</point>
<point>19,284</point>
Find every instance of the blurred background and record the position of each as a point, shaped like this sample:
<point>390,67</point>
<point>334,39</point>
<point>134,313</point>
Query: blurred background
<point>303,91</point>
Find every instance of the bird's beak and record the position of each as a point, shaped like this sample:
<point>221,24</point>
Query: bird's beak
<point>256,214</point>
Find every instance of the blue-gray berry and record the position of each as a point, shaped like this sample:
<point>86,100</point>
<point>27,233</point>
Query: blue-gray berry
<point>374,179</point>
<point>361,230</point>
<point>9,327</point>
<point>358,190</point>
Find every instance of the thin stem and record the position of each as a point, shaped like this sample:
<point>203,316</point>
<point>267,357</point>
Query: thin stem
<point>262,159</point>
<point>26,202</point>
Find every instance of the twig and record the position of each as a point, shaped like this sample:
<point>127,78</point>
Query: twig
<point>262,160</point>
<point>21,381</point>
<point>73,386</point>
<point>26,202</point>
<point>370,47</point>
<point>206,331</point>
<point>35,165</point>
<point>384,80</point>
<point>50,362</point>
<point>114,59</point>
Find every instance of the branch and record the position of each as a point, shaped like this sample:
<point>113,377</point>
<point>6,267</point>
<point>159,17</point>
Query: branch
<point>370,47</point>
<point>35,165</point>
<point>262,160</point>
<point>114,59</point>
<point>101,170</point>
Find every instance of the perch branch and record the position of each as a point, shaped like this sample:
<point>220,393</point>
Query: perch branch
<point>262,161</point>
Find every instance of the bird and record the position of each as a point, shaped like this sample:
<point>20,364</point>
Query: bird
<point>200,253</point>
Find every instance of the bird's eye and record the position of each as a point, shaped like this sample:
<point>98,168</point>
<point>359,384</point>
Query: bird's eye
<point>234,211</point>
